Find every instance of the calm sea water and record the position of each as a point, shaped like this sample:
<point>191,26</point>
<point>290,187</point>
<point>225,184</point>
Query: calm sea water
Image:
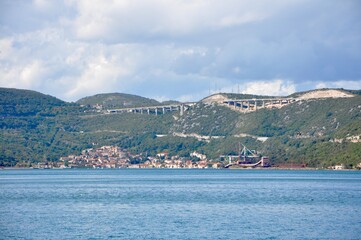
<point>179,204</point>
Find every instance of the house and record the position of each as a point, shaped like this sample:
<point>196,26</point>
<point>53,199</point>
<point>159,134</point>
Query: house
<point>157,164</point>
<point>216,165</point>
<point>189,164</point>
<point>162,155</point>
<point>338,167</point>
<point>358,166</point>
<point>134,166</point>
<point>198,155</point>
<point>202,164</point>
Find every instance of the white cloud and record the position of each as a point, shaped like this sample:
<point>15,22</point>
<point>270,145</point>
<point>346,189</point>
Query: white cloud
<point>46,61</point>
<point>5,48</point>
<point>32,74</point>
<point>42,4</point>
<point>236,70</point>
<point>232,20</point>
<point>272,88</point>
<point>134,19</point>
<point>192,97</point>
<point>177,49</point>
<point>321,85</point>
<point>29,76</point>
<point>101,74</point>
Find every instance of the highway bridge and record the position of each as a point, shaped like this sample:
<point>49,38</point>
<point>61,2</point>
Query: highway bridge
<point>247,105</point>
<point>162,109</point>
<point>243,105</point>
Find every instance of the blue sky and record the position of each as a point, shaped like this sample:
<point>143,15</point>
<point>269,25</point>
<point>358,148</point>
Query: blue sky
<point>179,49</point>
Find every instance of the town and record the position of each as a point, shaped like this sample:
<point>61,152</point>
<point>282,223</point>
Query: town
<point>116,157</point>
<point>107,157</point>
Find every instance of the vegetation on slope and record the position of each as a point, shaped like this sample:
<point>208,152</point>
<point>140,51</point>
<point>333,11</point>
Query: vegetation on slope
<point>208,120</point>
<point>117,100</point>
<point>325,91</point>
<point>16,102</point>
<point>36,127</point>
<point>299,132</point>
<point>311,118</point>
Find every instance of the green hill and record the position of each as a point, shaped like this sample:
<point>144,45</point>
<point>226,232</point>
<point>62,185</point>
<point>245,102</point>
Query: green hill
<point>36,127</point>
<point>30,124</point>
<point>339,90</point>
<point>302,130</point>
<point>117,100</point>
<point>16,102</point>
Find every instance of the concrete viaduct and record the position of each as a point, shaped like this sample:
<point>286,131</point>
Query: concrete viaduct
<point>182,107</point>
<point>243,105</point>
<point>247,105</point>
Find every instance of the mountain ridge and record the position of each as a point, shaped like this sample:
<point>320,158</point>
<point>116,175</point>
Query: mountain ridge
<point>117,100</point>
<point>22,102</point>
<point>309,130</point>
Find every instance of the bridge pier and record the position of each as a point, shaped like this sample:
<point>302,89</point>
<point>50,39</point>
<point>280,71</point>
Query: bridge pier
<point>248,105</point>
<point>182,109</point>
<point>162,109</point>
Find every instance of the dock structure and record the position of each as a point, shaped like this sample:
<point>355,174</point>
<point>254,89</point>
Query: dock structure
<point>262,163</point>
<point>248,105</point>
<point>247,159</point>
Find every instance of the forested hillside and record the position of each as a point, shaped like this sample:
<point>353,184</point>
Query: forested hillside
<point>117,100</point>
<point>319,132</point>
<point>15,102</point>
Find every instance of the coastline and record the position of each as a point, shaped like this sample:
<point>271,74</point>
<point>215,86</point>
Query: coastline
<point>241,169</point>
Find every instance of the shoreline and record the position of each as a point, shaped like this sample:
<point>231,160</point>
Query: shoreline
<point>268,168</point>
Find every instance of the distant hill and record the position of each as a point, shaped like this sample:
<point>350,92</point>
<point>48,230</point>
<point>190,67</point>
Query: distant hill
<point>18,102</point>
<point>219,97</point>
<point>356,92</point>
<point>301,131</point>
<point>117,100</point>
<point>324,93</point>
<point>317,131</point>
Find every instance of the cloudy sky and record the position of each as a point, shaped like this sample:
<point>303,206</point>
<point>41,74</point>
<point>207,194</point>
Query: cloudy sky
<point>179,49</point>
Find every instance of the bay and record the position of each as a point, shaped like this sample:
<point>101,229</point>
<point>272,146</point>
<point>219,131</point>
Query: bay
<point>179,204</point>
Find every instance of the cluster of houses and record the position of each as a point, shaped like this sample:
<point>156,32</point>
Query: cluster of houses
<point>115,157</point>
<point>104,157</point>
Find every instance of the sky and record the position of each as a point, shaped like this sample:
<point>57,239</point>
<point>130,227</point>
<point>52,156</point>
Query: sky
<point>179,49</point>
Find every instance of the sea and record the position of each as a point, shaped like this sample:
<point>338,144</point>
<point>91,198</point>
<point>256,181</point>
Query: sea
<point>179,204</point>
